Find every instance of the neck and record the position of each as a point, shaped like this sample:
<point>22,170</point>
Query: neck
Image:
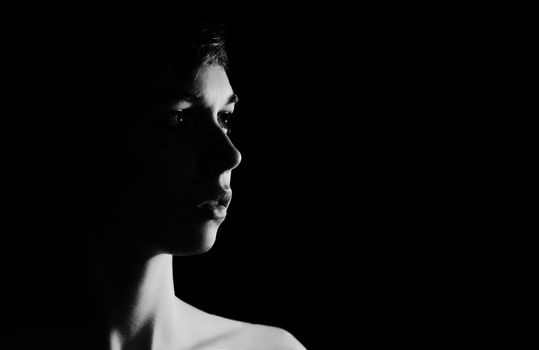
<point>136,291</point>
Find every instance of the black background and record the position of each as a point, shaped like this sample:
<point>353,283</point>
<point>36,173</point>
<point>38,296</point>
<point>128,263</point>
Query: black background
<point>346,206</point>
<point>315,240</point>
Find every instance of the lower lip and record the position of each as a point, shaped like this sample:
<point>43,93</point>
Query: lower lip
<point>212,212</point>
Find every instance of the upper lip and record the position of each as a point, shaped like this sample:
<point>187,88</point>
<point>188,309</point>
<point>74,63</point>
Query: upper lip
<point>218,198</point>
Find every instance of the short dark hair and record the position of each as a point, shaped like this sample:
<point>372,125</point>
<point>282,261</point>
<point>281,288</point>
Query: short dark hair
<point>143,64</point>
<point>206,44</point>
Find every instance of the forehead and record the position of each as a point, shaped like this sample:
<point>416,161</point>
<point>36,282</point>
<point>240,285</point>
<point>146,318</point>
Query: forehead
<point>208,81</point>
<point>208,84</point>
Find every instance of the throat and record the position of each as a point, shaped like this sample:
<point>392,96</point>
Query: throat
<point>138,300</point>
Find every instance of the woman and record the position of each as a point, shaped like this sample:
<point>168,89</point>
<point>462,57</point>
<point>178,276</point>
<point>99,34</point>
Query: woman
<point>146,175</point>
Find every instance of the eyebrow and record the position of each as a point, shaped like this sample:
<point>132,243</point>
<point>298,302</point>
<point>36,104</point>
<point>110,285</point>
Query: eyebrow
<point>194,98</point>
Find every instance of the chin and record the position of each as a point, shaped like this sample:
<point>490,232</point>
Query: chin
<point>185,240</point>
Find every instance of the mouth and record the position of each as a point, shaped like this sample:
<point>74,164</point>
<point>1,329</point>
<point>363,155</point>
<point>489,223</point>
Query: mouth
<point>215,207</point>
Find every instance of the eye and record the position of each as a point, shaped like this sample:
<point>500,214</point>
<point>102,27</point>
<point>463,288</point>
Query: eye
<point>177,119</point>
<point>225,121</point>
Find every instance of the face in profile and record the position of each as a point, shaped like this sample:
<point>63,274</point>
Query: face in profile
<point>172,187</point>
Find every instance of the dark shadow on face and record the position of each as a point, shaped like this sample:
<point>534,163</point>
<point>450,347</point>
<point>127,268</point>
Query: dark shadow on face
<point>169,180</point>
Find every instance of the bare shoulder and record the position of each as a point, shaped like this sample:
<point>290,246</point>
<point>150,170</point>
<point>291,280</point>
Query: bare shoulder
<point>259,337</point>
<point>224,333</point>
<point>227,333</point>
<point>272,338</point>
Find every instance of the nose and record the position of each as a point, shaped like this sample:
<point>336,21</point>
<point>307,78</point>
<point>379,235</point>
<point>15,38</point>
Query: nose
<point>223,156</point>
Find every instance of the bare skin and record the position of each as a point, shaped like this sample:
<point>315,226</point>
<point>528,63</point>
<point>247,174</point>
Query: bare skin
<point>150,316</point>
<point>134,272</point>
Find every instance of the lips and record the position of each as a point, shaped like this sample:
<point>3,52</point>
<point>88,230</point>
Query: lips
<point>215,205</point>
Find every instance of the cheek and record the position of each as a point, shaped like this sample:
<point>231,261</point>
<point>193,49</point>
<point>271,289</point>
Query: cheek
<point>167,168</point>
<point>174,163</point>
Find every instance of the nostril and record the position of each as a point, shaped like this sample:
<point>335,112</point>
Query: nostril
<point>225,158</point>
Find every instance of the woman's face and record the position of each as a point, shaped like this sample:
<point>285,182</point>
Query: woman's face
<point>171,186</point>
